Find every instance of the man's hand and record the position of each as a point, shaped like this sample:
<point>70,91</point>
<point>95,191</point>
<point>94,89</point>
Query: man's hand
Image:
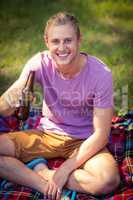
<point>10,99</point>
<point>56,183</point>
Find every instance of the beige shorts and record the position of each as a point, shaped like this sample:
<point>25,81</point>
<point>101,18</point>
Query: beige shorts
<point>30,144</point>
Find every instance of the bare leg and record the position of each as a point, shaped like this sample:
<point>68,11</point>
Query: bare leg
<point>98,176</point>
<point>44,171</point>
<point>14,170</point>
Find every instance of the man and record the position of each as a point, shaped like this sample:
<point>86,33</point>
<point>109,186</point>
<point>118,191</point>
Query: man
<point>77,113</point>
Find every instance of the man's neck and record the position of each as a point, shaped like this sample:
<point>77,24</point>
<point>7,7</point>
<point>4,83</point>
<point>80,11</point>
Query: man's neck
<point>74,69</point>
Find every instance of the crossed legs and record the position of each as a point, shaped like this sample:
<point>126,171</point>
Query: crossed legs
<point>99,175</point>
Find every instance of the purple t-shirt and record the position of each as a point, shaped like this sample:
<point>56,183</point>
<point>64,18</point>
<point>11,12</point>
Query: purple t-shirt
<point>68,103</point>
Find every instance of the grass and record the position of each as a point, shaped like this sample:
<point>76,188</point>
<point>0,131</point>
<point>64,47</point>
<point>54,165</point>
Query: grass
<point>107,33</point>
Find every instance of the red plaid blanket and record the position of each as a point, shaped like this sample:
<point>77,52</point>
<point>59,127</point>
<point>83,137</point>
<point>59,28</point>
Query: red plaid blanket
<point>121,145</point>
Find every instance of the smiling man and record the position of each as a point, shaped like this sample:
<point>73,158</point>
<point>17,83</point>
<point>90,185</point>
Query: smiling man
<point>77,112</point>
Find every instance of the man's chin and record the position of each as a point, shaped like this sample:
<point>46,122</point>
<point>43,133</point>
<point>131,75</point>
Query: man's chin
<point>62,63</point>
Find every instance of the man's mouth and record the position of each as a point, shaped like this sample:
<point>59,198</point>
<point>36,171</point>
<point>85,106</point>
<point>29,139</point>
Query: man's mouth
<point>62,55</point>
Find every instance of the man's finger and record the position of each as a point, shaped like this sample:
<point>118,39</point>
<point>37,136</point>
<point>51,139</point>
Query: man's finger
<point>58,195</point>
<point>54,193</point>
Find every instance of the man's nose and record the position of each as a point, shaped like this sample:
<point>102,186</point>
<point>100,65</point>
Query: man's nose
<point>61,46</point>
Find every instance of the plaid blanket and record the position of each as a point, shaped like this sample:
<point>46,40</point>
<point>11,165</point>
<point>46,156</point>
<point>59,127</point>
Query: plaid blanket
<point>120,144</point>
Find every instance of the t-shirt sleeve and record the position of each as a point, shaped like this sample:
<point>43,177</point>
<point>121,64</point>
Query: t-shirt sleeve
<point>104,92</point>
<point>32,65</point>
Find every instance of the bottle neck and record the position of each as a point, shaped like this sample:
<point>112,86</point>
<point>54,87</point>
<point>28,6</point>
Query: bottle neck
<point>30,81</point>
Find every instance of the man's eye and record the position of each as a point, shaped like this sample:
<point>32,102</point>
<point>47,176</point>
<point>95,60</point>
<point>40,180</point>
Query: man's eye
<point>68,40</point>
<point>55,41</point>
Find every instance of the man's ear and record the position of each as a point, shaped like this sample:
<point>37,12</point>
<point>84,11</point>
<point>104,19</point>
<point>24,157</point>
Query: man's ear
<point>46,40</point>
<point>80,38</point>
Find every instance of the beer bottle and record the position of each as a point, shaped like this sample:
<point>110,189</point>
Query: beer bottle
<point>25,101</point>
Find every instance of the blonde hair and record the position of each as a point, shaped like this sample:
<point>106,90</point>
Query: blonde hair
<point>62,18</point>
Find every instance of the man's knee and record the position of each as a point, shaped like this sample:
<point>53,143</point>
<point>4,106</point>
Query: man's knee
<point>2,162</point>
<point>103,184</point>
<point>107,184</point>
<point>7,147</point>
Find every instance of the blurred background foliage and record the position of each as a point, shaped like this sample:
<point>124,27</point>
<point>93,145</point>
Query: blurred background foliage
<point>106,25</point>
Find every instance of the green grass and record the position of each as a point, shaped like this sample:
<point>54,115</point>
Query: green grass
<point>107,27</point>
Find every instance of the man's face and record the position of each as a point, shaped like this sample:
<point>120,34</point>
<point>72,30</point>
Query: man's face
<point>63,44</point>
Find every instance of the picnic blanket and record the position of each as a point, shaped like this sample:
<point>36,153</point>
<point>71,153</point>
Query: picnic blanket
<point>120,144</point>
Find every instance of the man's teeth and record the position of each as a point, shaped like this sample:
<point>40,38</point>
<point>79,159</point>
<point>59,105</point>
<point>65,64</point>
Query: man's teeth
<point>62,55</point>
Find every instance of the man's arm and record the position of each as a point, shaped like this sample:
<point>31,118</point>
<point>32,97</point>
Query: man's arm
<point>10,99</point>
<point>97,141</point>
<point>5,108</point>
